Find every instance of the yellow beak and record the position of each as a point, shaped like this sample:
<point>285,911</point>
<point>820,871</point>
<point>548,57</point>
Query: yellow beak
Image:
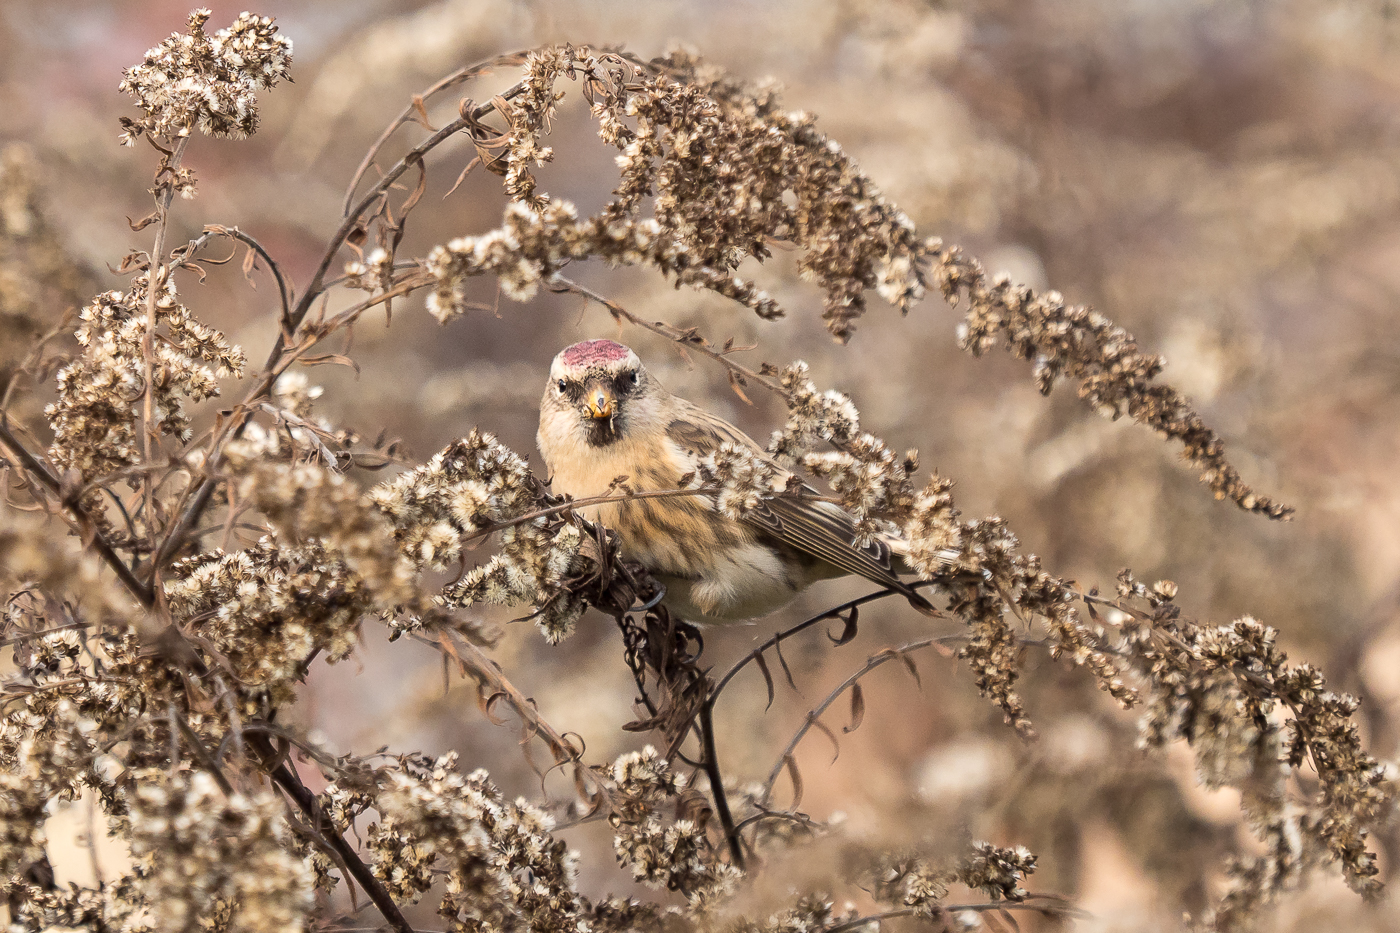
<point>601,402</point>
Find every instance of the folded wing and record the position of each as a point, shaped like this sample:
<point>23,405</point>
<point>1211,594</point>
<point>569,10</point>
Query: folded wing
<point>821,529</point>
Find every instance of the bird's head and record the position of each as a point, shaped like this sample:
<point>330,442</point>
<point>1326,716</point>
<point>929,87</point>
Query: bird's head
<point>598,391</point>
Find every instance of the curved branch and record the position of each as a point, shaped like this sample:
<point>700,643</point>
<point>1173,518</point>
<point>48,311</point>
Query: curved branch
<point>717,793</point>
<point>689,337</point>
<point>292,321</point>
<point>473,662</point>
<point>460,76</point>
<point>80,520</point>
<point>874,661</point>
<point>283,288</point>
<point>306,801</point>
<point>826,616</point>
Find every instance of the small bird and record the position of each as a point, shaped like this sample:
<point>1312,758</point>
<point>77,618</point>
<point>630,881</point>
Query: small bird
<point>603,416</point>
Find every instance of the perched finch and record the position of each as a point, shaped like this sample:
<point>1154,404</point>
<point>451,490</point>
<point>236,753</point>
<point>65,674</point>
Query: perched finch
<point>604,416</point>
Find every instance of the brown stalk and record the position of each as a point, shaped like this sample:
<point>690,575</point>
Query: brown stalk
<point>156,273</point>
<point>76,515</point>
<point>286,778</point>
<point>889,654</point>
<point>203,494</point>
<point>415,109</point>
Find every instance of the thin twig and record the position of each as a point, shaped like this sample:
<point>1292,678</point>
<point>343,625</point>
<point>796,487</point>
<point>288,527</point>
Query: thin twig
<point>874,661</point>
<point>306,801</point>
<point>461,76</point>
<point>573,504</point>
<point>199,501</point>
<point>473,662</point>
<point>81,521</point>
<point>686,337</point>
<point>156,274</point>
<point>284,290</point>
<point>826,616</point>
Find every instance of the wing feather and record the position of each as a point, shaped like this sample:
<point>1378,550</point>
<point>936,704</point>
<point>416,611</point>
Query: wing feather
<point>820,529</point>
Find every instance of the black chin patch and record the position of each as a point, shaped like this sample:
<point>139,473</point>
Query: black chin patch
<point>600,432</point>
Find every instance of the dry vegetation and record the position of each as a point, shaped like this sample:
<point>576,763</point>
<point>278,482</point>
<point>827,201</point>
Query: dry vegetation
<point>259,651</point>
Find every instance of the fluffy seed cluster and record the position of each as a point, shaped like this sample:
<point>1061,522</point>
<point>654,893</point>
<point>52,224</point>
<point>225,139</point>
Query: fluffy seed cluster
<point>437,509</point>
<point>271,608</point>
<point>921,884</point>
<point>741,478</point>
<point>812,415</point>
<point>309,501</point>
<point>100,393</point>
<point>199,80</point>
<point>474,486</point>
<point>504,870</point>
<point>374,273</point>
<point>992,585</point>
<point>37,763</point>
<point>725,171</point>
<point>1073,341</point>
<point>206,852</point>
<point>531,246</point>
<point>872,482</point>
<point>1221,688</point>
<point>677,856</point>
<point>730,170</point>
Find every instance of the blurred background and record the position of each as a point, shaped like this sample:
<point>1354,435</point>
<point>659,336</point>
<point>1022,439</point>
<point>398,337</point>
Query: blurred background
<point>1221,178</point>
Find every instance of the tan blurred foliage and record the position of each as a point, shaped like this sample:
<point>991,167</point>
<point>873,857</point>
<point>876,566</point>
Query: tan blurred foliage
<point>1218,177</point>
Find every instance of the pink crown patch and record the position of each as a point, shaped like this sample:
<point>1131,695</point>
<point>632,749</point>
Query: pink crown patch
<point>594,351</point>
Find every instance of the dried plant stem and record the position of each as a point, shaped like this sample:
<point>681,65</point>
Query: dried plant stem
<point>473,662</point>
<point>315,288</point>
<point>460,76</point>
<point>284,288</point>
<point>292,321</point>
<point>352,219</point>
<point>156,273</point>
<point>832,613</point>
<point>233,427</point>
<point>889,654</point>
<point>77,516</point>
<point>689,337</point>
<point>717,793</point>
<point>342,851</point>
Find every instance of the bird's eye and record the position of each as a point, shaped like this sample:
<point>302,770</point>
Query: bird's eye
<point>634,378</point>
<point>562,385</point>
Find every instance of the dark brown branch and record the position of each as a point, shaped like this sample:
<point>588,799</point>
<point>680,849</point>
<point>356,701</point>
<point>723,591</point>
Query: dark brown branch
<point>338,239</point>
<point>283,288</point>
<point>474,663</point>
<point>83,522</point>
<point>717,793</point>
<point>292,321</point>
<point>826,616</point>
<point>286,779</point>
<point>192,513</point>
